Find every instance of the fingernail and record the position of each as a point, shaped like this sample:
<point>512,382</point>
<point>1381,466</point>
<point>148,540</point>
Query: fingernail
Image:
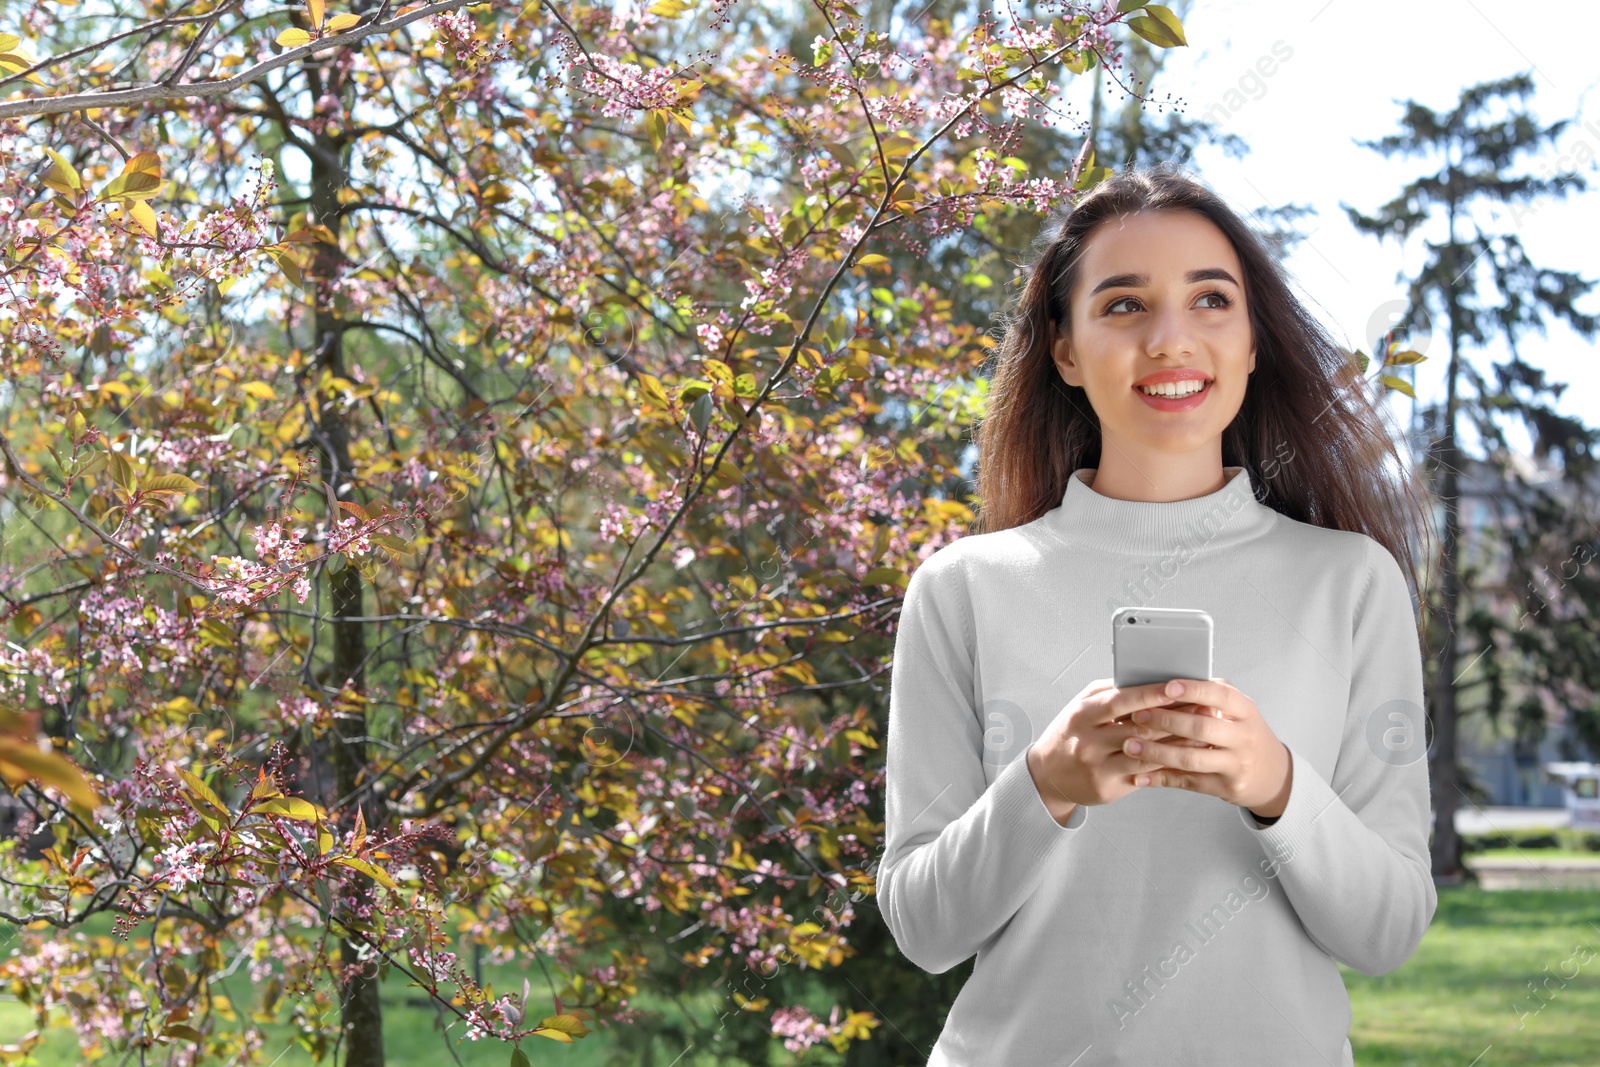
<point>1134,746</point>
<point>1142,715</point>
<point>1143,779</point>
<point>1174,688</point>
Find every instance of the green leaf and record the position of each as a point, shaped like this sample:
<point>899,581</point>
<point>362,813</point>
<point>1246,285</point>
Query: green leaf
<point>324,895</point>
<point>519,1058</point>
<point>841,152</point>
<point>92,463</point>
<point>1162,29</point>
<point>393,543</point>
<point>1125,6</point>
<point>214,632</point>
<point>1082,61</point>
<point>122,472</point>
<point>821,53</point>
<point>700,413</point>
<point>885,576</point>
<point>693,390</point>
<point>1401,359</point>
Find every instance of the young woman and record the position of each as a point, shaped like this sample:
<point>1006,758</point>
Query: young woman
<point>1165,873</point>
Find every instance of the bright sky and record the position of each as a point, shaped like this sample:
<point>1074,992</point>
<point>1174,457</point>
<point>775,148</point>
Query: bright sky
<point>1350,63</point>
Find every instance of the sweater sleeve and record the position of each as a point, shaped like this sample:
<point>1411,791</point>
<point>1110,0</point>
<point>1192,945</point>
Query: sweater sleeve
<point>960,855</point>
<point>1352,854</point>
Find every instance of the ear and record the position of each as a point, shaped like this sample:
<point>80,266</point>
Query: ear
<point>1066,366</point>
<point>1252,369</point>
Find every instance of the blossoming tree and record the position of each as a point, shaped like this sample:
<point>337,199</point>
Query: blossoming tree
<point>460,464</point>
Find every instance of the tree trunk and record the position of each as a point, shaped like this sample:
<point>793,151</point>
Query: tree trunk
<point>1443,770</point>
<point>361,1010</point>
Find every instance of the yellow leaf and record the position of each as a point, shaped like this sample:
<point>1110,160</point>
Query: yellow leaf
<point>260,390</point>
<point>287,808</point>
<point>294,38</point>
<point>141,213</point>
<point>169,483</point>
<point>562,1027</point>
<point>15,59</point>
<point>286,263</point>
<point>315,9</point>
<point>143,163</point>
<point>140,179</point>
<point>201,791</point>
<point>340,23</point>
<point>63,176</point>
<point>651,386</point>
<point>376,873</point>
<point>23,760</point>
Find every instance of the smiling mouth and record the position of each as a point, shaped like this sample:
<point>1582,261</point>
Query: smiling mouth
<point>1175,390</point>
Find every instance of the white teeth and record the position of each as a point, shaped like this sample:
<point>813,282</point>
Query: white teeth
<point>1188,388</point>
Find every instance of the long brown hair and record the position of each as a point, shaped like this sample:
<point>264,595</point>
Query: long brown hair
<point>1309,434</point>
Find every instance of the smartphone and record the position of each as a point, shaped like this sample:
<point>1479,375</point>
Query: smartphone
<point>1159,644</point>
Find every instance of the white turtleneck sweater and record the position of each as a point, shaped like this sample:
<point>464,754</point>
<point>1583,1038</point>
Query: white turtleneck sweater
<point>1166,926</point>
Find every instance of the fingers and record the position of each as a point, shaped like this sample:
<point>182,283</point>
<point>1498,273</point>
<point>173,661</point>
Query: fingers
<point>1120,763</point>
<point>1205,726</point>
<point>1176,757</point>
<point>1124,702</point>
<point>1213,693</point>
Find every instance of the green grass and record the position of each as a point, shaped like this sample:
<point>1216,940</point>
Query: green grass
<point>1455,1002</point>
<point>1458,997</point>
<point>1532,854</point>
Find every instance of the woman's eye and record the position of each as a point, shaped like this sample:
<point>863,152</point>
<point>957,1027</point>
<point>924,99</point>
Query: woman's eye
<point>1222,300</point>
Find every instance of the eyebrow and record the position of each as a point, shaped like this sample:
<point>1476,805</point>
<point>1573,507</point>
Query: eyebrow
<point>1133,281</point>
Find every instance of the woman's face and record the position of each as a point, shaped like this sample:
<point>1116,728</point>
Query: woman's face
<point>1159,292</point>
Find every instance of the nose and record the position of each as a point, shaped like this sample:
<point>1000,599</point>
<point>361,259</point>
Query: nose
<point>1170,332</point>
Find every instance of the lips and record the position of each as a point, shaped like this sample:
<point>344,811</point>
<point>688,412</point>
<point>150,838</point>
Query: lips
<point>1176,403</point>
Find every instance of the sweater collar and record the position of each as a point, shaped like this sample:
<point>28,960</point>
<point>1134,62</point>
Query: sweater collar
<point>1227,517</point>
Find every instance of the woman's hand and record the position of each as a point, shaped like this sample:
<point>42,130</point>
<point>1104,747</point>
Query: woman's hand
<point>1079,759</point>
<point>1236,756</point>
